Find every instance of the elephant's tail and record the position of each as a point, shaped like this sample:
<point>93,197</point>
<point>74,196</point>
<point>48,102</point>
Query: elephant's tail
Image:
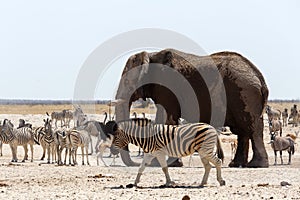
<point>220,152</point>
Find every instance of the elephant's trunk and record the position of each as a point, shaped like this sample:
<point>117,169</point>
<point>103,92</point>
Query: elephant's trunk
<point>122,112</point>
<point>126,157</point>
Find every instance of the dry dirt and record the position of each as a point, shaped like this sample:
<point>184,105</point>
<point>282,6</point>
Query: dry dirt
<point>39,180</point>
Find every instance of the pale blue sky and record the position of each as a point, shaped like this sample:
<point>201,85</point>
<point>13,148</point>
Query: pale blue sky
<point>43,45</point>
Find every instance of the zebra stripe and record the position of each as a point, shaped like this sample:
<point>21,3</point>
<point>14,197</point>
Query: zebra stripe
<point>17,137</point>
<point>61,140</point>
<point>49,140</point>
<point>79,138</point>
<point>158,140</point>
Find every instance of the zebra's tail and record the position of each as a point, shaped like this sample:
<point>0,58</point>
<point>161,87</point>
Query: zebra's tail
<point>220,152</point>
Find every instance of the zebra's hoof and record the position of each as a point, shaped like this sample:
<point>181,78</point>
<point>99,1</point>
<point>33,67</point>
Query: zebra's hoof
<point>171,183</point>
<point>23,160</point>
<point>222,183</point>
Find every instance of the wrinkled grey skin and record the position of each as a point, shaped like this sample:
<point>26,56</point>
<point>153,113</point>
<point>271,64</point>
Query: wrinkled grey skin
<point>245,88</point>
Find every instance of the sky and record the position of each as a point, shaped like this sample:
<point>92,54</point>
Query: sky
<point>43,44</point>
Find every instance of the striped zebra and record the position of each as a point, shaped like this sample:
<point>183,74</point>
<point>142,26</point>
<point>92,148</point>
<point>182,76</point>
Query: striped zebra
<point>58,116</point>
<point>285,116</point>
<point>79,138</point>
<point>159,141</point>
<point>43,136</point>
<point>68,116</point>
<point>61,139</point>
<point>78,113</point>
<point>23,124</point>
<point>48,140</point>
<point>272,113</point>
<point>294,116</point>
<point>39,133</point>
<point>94,128</point>
<point>17,137</point>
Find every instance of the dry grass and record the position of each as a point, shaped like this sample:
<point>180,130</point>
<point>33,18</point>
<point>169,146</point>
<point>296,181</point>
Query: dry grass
<point>94,108</point>
<point>42,109</point>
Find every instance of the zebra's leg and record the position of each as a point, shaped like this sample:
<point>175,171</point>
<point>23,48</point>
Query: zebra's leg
<point>211,157</point>
<point>1,148</point>
<point>161,158</point>
<point>70,155</point>
<point>74,157</point>
<point>147,160</point>
<point>44,152</point>
<point>275,153</point>
<point>53,152</point>
<point>26,152</point>
<point>48,153</point>
<point>59,160</point>
<point>12,152</point>
<point>87,155</point>
<point>207,168</point>
<point>82,154</point>
<point>91,142</point>
<point>31,149</point>
<point>280,152</point>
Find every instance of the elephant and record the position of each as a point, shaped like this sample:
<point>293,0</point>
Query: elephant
<point>241,106</point>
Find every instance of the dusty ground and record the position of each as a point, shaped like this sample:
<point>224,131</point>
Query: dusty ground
<point>47,181</point>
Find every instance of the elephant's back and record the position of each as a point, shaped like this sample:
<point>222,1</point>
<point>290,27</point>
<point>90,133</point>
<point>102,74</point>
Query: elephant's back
<point>237,69</point>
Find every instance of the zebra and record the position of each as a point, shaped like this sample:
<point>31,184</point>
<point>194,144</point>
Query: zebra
<point>294,116</point>
<point>43,136</point>
<point>158,140</point>
<point>272,113</point>
<point>285,116</point>
<point>61,139</point>
<point>79,138</point>
<point>48,140</point>
<point>95,129</point>
<point>39,133</point>
<point>134,114</point>
<point>58,116</point>
<point>78,113</point>
<point>68,116</point>
<point>17,137</point>
<point>23,124</point>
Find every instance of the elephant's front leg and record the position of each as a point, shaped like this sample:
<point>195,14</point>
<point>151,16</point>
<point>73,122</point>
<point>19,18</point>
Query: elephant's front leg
<point>241,156</point>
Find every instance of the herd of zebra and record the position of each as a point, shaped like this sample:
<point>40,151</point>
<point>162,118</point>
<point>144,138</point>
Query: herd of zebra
<point>156,140</point>
<point>54,140</point>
